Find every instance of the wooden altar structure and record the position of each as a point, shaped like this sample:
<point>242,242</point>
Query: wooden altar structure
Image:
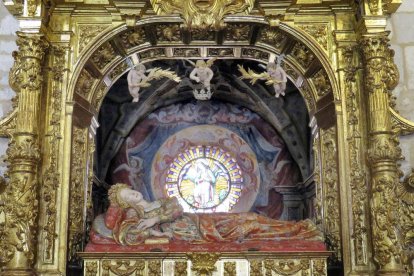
<point>338,56</point>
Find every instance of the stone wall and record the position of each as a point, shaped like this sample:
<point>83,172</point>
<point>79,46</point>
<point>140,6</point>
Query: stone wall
<point>8,28</point>
<point>401,25</point>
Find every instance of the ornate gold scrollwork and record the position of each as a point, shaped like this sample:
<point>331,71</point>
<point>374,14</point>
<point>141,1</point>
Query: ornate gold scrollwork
<point>203,263</point>
<point>202,14</point>
<point>287,267</point>
<point>121,267</point>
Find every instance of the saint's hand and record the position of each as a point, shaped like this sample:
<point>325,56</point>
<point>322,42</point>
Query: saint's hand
<point>147,223</point>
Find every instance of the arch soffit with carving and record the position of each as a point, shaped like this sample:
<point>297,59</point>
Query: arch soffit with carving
<point>306,62</point>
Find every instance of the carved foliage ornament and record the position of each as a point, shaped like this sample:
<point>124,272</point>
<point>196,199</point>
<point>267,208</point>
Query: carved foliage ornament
<point>288,267</point>
<point>382,73</point>
<point>123,267</point>
<point>203,263</point>
<point>87,33</point>
<point>199,14</point>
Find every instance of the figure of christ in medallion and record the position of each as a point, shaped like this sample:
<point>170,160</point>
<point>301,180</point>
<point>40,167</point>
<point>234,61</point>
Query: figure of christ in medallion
<point>131,220</point>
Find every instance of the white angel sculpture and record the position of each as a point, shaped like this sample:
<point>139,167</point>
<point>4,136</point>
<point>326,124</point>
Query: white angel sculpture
<point>274,75</point>
<point>137,78</point>
<point>203,74</point>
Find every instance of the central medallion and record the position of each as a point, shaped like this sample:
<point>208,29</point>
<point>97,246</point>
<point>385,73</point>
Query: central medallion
<point>205,179</point>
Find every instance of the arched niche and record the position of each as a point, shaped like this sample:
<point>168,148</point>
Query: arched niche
<point>101,65</point>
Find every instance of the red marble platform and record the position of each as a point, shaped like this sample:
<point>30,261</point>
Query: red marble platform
<point>246,246</point>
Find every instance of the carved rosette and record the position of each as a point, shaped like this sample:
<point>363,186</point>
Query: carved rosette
<point>19,230</point>
<point>384,152</point>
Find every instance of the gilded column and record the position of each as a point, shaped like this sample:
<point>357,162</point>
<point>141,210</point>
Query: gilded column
<point>381,76</point>
<point>18,242</point>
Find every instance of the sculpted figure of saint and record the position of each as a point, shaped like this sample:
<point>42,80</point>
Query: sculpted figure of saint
<point>130,220</point>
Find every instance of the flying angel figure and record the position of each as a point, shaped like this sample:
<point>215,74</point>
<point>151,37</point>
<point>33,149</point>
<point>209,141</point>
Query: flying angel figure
<point>137,78</point>
<point>203,74</point>
<point>274,75</point>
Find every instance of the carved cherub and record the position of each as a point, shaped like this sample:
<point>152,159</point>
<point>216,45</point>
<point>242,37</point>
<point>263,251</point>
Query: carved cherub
<point>137,78</point>
<point>274,75</point>
<point>203,74</point>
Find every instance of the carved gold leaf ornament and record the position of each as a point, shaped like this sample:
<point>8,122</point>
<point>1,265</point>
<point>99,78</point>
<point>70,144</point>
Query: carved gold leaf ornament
<point>203,263</point>
<point>84,84</point>
<point>154,268</point>
<point>133,37</point>
<point>318,32</point>
<point>91,268</point>
<point>256,267</point>
<point>273,37</point>
<point>302,54</point>
<point>88,32</point>
<point>168,32</point>
<point>202,14</point>
<point>287,267</point>
<point>180,268</point>
<point>230,269</point>
<point>104,55</point>
<point>121,267</point>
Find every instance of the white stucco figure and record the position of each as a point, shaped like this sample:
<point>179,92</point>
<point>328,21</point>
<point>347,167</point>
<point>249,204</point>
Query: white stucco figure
<point>137,78</point>
<point>274,75</point>
<point>203,74</point>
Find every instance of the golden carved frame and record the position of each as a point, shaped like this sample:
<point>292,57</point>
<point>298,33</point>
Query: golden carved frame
<point>69,56</point>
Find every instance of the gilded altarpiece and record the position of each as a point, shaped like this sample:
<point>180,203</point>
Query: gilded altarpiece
<point>68,59</point>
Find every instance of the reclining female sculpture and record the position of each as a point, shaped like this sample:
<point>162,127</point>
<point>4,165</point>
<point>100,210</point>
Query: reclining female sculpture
<point>130,220</point>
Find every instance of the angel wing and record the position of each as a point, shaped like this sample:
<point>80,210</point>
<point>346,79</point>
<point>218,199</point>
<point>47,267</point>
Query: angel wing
<point>253,76</point>
<point>211,61</point>
<point>158,73</point>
